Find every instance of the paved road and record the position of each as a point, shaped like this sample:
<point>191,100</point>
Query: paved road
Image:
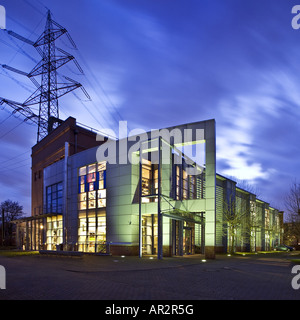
<point>259,277</point>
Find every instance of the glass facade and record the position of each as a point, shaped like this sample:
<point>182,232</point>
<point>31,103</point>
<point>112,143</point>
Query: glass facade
<point>92,186</point>
<point>177,182</point>
<point>54,233</point>
<point>54,198</point>
<point>184,186</point>
<point>183,237</point>
<point>187,186</point>
<point>149,181</point>
<point>149,233</point>
<point>91,208</point>
<point>91,232</point>
<point>188,238</point>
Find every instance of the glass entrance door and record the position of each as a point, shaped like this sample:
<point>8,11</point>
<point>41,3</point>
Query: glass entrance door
<point>187,240</point>
<point>183,238</point>
<point>149,233</point>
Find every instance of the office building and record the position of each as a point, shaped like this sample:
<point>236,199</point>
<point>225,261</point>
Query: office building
<point>156,193</point>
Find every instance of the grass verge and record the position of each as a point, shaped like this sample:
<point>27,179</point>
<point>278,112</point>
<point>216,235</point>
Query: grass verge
<point>257,252</point>
<point>13,253</point>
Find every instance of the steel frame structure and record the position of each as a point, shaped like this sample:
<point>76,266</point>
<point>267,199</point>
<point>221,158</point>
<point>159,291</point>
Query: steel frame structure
<point>49,91</point>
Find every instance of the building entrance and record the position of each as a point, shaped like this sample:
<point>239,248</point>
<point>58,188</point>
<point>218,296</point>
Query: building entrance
<point>187,240</point>
<point>149,234</point>
<point>183,236</point>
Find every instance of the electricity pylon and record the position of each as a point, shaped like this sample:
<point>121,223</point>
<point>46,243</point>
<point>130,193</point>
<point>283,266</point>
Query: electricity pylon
<point>49,91</point>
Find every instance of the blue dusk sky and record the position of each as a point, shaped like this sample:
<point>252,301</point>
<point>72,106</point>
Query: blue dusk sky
<point>159,63</point>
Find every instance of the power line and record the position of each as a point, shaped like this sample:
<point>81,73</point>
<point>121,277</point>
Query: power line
<point>16,157</point>
<point>11,130</point>
<point>21,84</point>
<point>20,50</point>
<point>40,4</point>
<point>88,110</point>
<point>101,87</point>
<point>6,118</point>
<point>16,168</point>
<point>32,6</point>
<point>7,44</point>
<point>97,93</point>
<point>50,90</point>
<point>20,47</point>
<point>13,164</point>
<point>108,104</point>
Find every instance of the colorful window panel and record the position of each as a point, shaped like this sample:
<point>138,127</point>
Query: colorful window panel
<point>92,186</point>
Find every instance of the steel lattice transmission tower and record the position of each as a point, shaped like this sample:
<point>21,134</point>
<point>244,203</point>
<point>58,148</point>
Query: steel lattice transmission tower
<point>49,91</point>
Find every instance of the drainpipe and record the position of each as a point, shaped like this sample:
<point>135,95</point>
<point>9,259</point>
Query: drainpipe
<point>140,204</point>
<point>65,192</point>
<point>2,227</point>
<point>159,214</point>
<point>76,140</point>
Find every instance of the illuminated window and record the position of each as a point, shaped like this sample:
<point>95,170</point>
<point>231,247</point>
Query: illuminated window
<point>101,198</point>
<point>177,181</point>
<point>92,186</point>
<point>267,218</point>
<point>149,181</point>
<point>82,232</point>
<point>82,201</point>
<point>192,187</point>
<point>91,232</point>
<point>54,232</point>
<point>155,179</point>
<point>149,234</point>
<point>92,199</point>
<point>146,177</point>
<point>82,171</point>
<point>187,186</point>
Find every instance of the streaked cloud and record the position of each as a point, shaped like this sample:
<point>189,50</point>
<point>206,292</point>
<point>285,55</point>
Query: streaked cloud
<point>162,63</point>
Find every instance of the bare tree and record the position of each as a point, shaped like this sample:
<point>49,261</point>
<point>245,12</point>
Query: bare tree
<point>234,216</point>
<point>12,210</point>
<point>292,200</point>
<point>292,203</point>
<point>246,185</point>
<point>254,224</point>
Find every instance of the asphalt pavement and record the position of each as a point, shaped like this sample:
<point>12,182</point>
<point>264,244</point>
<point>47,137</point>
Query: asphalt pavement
<point>113,278</point>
